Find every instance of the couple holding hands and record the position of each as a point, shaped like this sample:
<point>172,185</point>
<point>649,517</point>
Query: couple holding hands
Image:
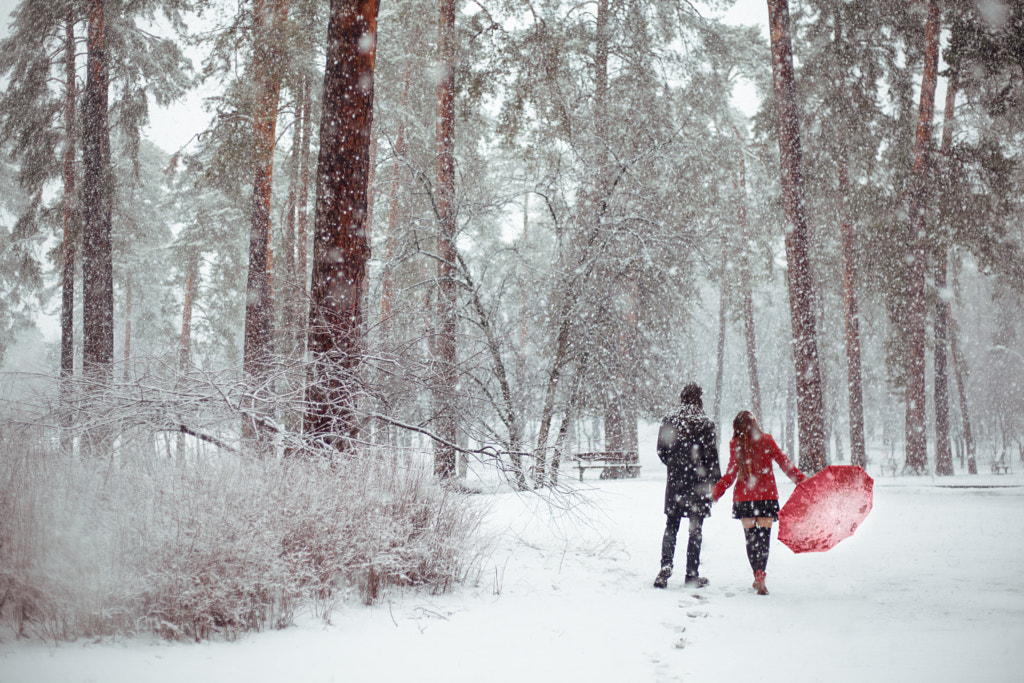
<point>688,447</point>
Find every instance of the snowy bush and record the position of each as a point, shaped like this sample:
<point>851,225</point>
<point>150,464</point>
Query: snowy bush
<point>216,545</point>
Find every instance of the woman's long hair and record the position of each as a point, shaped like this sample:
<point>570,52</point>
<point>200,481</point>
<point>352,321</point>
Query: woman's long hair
<point>745,431</point>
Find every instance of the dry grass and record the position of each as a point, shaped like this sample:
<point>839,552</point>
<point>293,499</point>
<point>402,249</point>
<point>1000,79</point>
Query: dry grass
<point>215,546</point>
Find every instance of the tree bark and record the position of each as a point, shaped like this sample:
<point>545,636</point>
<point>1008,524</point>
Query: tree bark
<point>851,313</point>
<point>67,307</point>
<point>748,293</point>
<point>341,245</point>
<point>445,349</point>
<point>301,220</point>
<point>722,323</point>
<point>287,292</point>
<point>854,376</point>
<point>914,288</point>
<point>69,236</point>
<point>269,17</point>
<point>943,452</point>
<point>507,409</point>
<point>810,417</point>
<point>185,341</point>
<point>97,252</point>
<point>127,322</point>
<point>396,212</point>
<point>959,370</point>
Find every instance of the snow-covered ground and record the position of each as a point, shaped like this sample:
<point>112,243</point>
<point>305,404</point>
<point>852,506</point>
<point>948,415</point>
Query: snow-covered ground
<point>930,588</point>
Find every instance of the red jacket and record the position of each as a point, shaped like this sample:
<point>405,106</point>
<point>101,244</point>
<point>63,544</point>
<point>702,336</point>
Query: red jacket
<point>761,484</point>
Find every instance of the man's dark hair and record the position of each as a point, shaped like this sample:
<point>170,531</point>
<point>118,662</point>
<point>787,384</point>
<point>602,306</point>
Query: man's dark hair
<point>691,395</point>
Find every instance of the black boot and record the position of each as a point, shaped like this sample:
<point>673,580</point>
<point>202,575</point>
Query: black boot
<point>668,551</point>
<point>661,580</point>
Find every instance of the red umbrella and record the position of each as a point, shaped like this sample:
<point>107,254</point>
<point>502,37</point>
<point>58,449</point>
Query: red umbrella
<point>826,508</point>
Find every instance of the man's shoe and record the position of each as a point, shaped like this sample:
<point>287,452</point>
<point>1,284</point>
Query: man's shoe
<point>661,580</point>
<point>696,581</point>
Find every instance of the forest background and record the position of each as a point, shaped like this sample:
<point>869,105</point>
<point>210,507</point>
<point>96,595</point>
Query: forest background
<point>564,212</point>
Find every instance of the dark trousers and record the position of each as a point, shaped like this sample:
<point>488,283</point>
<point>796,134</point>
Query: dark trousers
<point>668,544</point>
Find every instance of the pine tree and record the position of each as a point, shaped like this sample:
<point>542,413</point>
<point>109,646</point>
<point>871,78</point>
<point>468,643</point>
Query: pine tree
<point>340,245</point>
<point>800,284</point>
<point>269,18</point>
<point>447,228</point>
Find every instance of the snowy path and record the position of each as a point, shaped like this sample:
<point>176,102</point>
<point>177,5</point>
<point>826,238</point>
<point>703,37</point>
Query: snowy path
<point>929,589</point>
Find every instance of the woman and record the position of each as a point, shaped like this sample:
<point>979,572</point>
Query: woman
<point>756,498</point>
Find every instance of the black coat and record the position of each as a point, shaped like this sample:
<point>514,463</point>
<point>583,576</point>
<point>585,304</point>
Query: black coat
<point>687,446</point>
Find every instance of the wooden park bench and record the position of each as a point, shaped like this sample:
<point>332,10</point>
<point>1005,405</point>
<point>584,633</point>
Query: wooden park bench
<point>613,464</point>
<point>1001,466</point>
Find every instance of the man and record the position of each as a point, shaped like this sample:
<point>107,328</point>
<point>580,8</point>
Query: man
<point>688,447</point>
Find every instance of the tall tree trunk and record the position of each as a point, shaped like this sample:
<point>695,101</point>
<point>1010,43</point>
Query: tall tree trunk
<point>396,212</point>
<point>854,384</point>
<point>69,232</point>
<point>943,452</point>
<point>269,17</point>
<point>748,289</point>
<point>959,370</point>
<point>341,245</point>
<point>554,378</point>
<point>722,324</point>
<point>507,409</point>
<point>67,306</point>
<point>127,323</point>
<point>617,418</point>
<point>445,356</point>
<point>97,252</point>
<point>800,282</point>
<point>185,341</point>
<point>851,313</point>
<point>289,278</point>
<point>301,221</point>
<point>914,291</point>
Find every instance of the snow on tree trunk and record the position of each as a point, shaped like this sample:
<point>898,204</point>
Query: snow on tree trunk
<point>810,416</point>
<point>67,308</point>
<point>68,238</point>
<point>97,252</point>
<point>185,341</point>
<point>341,245</point>
<point>127,323</point>
<point>287,290</point>
<point>854,383</point>
<point>396,212</point>
<point>269,17</point>
<point>716,409</point>
<point>445,411</point>
<point>914,292</point>
<point>301,219</point>
<point>943,452</point>
<point>620,418</point>
<point>959,370</point>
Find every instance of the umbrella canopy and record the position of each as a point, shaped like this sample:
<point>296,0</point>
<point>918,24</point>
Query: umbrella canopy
<point>826,508</point>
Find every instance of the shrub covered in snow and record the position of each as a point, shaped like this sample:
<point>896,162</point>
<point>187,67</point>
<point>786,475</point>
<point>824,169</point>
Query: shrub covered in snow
<point>215,545</point>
